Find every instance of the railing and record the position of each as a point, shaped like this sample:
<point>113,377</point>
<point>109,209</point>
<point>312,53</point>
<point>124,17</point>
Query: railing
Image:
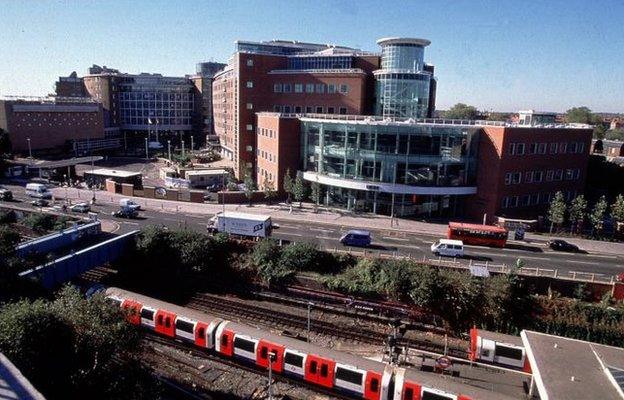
<point>318,71</point>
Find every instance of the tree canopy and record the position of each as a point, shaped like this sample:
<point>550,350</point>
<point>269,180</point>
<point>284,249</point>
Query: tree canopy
<point>582,115</point>
<point>462,111</point>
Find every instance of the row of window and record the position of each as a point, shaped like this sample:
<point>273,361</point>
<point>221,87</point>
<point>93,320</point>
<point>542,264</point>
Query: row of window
<point>520,149</point>
<point>309,109</point>
<point>270,133</point>
<point>310,88</point>
<point>266,175</point>
<point>534,199</point>
<point>270,157</point>
<point>570,174</point>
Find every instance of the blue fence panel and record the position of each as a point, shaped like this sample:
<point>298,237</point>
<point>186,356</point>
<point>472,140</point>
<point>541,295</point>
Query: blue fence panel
<point>58,240</point>
<point>65,268</point>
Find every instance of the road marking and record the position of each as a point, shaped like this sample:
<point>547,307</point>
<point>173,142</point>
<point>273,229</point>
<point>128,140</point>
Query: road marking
<point>289,234</point>
<point>395,238</point>
<point>131,223</point>
<point>581,262</point>
<point>321,230</point>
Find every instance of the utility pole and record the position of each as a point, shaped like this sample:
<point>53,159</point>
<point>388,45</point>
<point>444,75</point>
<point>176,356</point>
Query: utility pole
<point>192,144</point>
<point>29,148</point>
<point>272,357</point>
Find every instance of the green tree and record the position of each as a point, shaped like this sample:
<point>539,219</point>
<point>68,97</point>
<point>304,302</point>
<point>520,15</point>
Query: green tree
<point>497,116</point>
<point>600,131</point>
<point>556,211</point>
<point>617,211</point>
<point>269,189</point>
<point>301,256</point>
<point>299,189</point>
<point>249,186</point>
<point>461,111</point>
<point>8,239</point>
<point>597,214</point>
<point>578,211</point>
<point>40,223</point>
<point>582,115</point>
<point>315,190</point>
<point>288,185</point>
<point>616,134</point>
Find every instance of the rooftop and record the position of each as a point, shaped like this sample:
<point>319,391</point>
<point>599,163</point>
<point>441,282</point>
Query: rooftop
<point>399,40</point>
<point>113,172</point>
<point>574,369</point>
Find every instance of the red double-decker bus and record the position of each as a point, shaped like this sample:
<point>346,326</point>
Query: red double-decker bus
<point>480,235</point>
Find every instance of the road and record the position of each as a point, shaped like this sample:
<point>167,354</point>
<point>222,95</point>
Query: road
<point>384,241</point>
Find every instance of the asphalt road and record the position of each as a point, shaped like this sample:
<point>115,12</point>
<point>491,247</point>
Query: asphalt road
<point>385,241</point>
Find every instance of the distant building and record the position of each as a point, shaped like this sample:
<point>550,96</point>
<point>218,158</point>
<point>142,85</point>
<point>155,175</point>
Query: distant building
<point>70,86</point>
<point>202,82</point>
<point>53,125</point>
<point>616,123</point>
<point>532,117</point>
<point>608,148</point>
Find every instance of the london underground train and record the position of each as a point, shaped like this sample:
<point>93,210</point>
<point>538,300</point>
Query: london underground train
<point>498,349</point>
<point>340,372</point>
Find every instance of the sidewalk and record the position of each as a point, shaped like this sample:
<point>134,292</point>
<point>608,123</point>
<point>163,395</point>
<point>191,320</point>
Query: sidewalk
<point>281,212</point>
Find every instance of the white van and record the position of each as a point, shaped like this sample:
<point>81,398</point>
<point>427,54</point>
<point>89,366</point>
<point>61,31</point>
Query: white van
<point>128,203</point>
<point>38,190</point>
<point>449,248</point>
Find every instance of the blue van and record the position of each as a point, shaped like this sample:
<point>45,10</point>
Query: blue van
<point>356,238</point>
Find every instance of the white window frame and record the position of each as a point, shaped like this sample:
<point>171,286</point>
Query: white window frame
<point>277,88</point>
<point>249,84</point>
<point>550,174</point>
<point>559,175</point>
<point>309,88</point>
<point>528,177</point>
<point>541,148</point>
<point>520,149</point>
<point>553,148</point>
<point>536,174</point>
<point>250,62</point>
<point>250,106</point>
<point>298,87</point>
<point>512,149</point>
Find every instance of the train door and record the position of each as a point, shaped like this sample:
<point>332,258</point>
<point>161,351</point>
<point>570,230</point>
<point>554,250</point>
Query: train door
<point>320,371</point>
<point>224,341</point>
<point>201,334</point>
<point>133,308</point>
<point>485,349</point>
<point>165,323</point>
<point>211,333</point>
<point>264,349</point>
<point>411,391</point>
<point>372,386</point>
<point>147,317</point>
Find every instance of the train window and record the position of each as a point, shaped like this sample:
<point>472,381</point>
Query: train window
<point>167,322</point>
<point>293,359</point>
<point>244,344</point>
<point>324,370</point>
<point>184,326</point>
<point>508,352</point>
<point>201,332</point>
<point>485,352</point>
<point>426,395</point>
<point>159,320</point>
<point>264,353</point>
<point>224,340</point>
<point>408,394</point>
<point>348,375</point>
<point>147,314</point>
<point>374,386</point>
<point>313,367</point>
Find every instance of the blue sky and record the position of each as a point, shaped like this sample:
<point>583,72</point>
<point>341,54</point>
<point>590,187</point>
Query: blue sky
<point>501,55</point>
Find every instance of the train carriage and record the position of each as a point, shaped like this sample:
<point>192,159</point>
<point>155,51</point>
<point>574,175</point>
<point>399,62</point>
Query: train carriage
<point>498,349</point>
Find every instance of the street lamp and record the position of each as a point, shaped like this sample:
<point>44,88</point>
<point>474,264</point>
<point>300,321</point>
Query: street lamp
<point>169,149</point>
<point>192,144</point>
<point>29,148</point>
<point>146,149</point>
<point>182,147</point>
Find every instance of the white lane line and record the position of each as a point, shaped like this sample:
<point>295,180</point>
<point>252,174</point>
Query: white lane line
<point>327,238</point>
<point>289,234</point>
<point>581,262</point>
<point>321,230</point>
<point>395,238</point>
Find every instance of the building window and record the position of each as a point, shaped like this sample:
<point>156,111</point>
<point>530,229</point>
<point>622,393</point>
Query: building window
<point>541,149</point>
<point>533,148</point>
<point>512,149</point>
<point>298,109</point>
<point>319,110</point>
<point>250,62</point>
<point>577,174</point>
<point>520,149</point>
<point>526,200</point>
<point>344,89</point>
<point>310,88</point>
<point>512,178</point>
<point>553,148</point>
<point>298,87</point>
<point>286,87</point>
<point>320,88</point>
<point>330,110</point>
<point>249,84</point>
<point>563,147</point>
<point>277,108</point>
<point>343,110</point>
<point>569,174</point>
<point>249,127</point>
<point>277,88</point>
<point>331,88</point>
<point>535,199</point>
<point>581,147</point>
<point>558,174</point>
<point>286,109</point>
<point>528,177</point>
<point>538,176</point>
<point>573,147</point>
<point>308,110</point>
<point>250,148</point>
<point>249,106</point>
<point>549,175</point>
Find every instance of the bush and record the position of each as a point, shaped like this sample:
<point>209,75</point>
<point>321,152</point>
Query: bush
<point>300,256</point>
<point>7,217</point>
<point>40,223</point>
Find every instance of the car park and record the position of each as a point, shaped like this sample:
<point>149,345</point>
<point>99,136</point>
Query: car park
<point>357,238</point>
<point>80,207</point>
<point>562,245</point>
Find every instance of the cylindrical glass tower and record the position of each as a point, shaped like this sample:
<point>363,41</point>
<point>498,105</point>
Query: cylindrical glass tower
<point>402,84</point>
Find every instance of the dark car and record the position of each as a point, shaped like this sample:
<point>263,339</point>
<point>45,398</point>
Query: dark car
<point>214,188</point>
<point>40,203</point>
<point>6,194</point>
<point>562,245</point>
<point>125,213</point>
<point>356,238</point>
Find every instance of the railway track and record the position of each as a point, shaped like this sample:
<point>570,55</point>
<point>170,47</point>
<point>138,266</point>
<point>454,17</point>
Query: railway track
<point>152,338</point>
<point>253,313</point>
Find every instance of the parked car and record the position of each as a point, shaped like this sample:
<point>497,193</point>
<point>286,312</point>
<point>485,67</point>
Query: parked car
<point>40,203</point>
<point>215,187</point>
<point>562,245</point>
<point>6,194</point>
<point>356,238</point>
<point>80,207</point>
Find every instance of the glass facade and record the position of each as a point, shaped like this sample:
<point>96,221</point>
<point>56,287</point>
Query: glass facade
<point>381,159</point>
<point>402,84</point>
<point>320,62</point>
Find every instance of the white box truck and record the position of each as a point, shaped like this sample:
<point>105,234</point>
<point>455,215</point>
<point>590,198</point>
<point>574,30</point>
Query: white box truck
<point>236,223</point>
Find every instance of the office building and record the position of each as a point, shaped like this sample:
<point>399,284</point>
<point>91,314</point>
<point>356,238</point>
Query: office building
<point>202,82</point>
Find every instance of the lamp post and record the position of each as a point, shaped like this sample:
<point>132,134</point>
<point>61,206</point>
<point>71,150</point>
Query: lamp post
<point>272,358</point>
<point>169,149</point>
<point>146,150</point>
<point>182,147</point>
<point>192,144</point>
<point>29,149</point>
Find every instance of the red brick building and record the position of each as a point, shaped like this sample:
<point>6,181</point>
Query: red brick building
<point>278,148</point>
<point>521,168</point>
<point>51,125</point>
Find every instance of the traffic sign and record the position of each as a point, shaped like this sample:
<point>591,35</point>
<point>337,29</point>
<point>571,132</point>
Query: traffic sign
<point>444,362</point>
